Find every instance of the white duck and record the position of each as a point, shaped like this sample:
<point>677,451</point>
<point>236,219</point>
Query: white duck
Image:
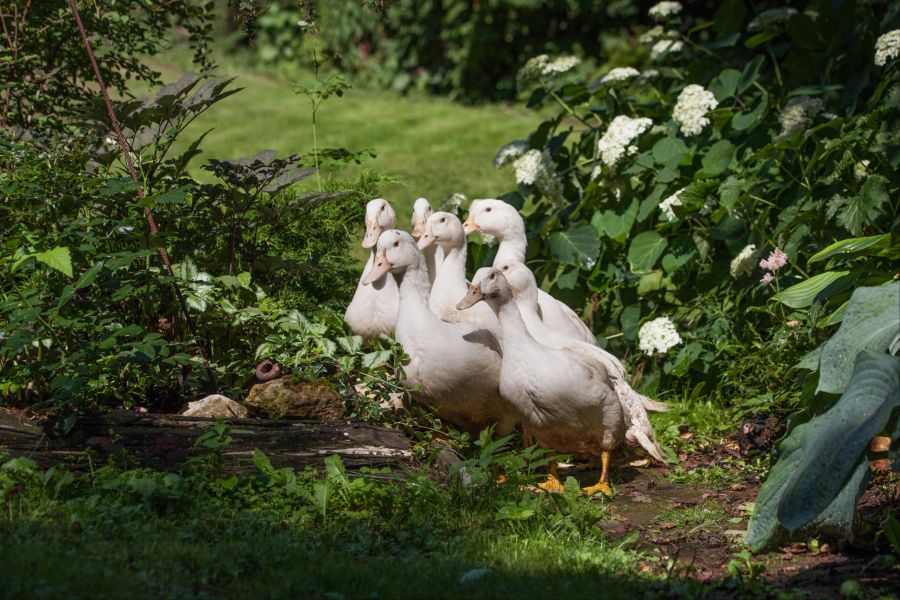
<point>434,255</point>
<point>455,366</point>
<point>565,401</point>
<point>503,221</point>
<point>635,405</point>
<point>373,310</point>
<point>444,230</point>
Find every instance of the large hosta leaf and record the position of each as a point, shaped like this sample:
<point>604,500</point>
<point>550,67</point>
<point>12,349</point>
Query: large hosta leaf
<point>821,469</point>
<point>852,246</point>
<point>579,245</point>
<point>871,322</point>
<point>842,438</point>
<point>818,287</point>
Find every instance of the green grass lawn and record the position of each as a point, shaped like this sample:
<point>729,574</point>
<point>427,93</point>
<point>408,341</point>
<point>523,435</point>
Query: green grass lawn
<point>433,146</point>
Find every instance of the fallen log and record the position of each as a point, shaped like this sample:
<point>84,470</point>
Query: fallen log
<point>167,441</point>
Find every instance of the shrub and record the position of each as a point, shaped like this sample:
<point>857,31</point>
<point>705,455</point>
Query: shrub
<point>697,182</point>
<point>452,46</point>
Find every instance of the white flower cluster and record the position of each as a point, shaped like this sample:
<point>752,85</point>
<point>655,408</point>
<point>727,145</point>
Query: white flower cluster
<point>798,114</point>
<point>771,16</point>
<point>657,336</point>
<point>453,202</point>
<point>509,152</point>
<point>665,47</point>
<point>887,47</point>
<point>561,65</point>
<point>744,262</point>
<point>535,168</point>
<point>693,103</point>
<point>664,10</point>
<point>616,142</point>
<point>861,169</point>
<point>648,75</point>
<point>652,34</point>
<point>541,66</point>
<point>667,205</point>
<point>620,74</point>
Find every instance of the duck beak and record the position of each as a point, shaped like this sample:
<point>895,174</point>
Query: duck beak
<point>426,240</point>
<point>418,229</point>
<point>373,230</point>
<point>473,297</point>
<point>382,265</point>
<point>470,225</point>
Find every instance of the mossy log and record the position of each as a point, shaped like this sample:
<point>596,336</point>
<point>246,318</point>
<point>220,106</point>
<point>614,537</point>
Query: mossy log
<point>167,441</point>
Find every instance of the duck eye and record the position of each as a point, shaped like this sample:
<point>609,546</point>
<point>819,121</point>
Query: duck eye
<point>382,208</point>
<point>488,209</point>
<point>442,220</point>
<point>506,268</point>
<point>396,244</point>
<point>493,276</point>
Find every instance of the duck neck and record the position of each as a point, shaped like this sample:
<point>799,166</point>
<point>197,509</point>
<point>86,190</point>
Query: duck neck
<point>528,310</point>
<point>515,333</point>
<point>453,268</point>
<point>512,244</point>
<point>414,291</point>
<point>431,261</point>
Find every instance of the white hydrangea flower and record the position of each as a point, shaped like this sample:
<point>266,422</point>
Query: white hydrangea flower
<point>693,103</point>
<point>561,65</point>
<point>798,114</point>
<point>665,47</point>
<point>667,205</point>
<point>620,74</point>
<point>532,70</point>
<point>771,17</point>
<point>887,47</point>
<point>658,336</point>
<point>541,66</point>
<point>664,10</point>
<point>487,239</point>
<point>652,34</point>
<point>509,152</point>
<point>453,202</point>
<point>617,141</point>
<point>744,262</point>
<point>535,168</point>
<point>528,167</point>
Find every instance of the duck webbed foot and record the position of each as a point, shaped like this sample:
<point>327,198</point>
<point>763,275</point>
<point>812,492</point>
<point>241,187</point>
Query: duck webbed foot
<point>552,484</point>
<point>601,486</point>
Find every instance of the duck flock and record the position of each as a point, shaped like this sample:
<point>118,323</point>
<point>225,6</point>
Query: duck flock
<point>499,351</point>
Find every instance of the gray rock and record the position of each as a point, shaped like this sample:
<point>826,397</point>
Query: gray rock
<point>216,405</point>
<point>291,397</point>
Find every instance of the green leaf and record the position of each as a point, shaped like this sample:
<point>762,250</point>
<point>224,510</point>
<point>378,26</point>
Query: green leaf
<point>750,73</point>
<point>871,322</point>
<point>817,287</point>
<point>746,120</point>
<point>725,84</point>
<point>262,461</point>
<point>669,151</point>
<point>858,211</point>
<point>645,249</point>
<point>59,258</point>
<point>616,226</point>
<point>579,245</point>
<point>630,320</point>
<point>731,190</point>
<point>718,157</point>
<point>841,438</point>
<point>852,246</point>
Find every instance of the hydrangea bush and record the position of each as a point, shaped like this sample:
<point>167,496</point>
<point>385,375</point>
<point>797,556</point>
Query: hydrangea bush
<point>695,179</point>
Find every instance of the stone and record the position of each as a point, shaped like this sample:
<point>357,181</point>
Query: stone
<point>216,405</point>
<point>297,399</point>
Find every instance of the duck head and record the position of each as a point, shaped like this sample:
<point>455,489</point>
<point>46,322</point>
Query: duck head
<point>444,229</point>
<point>493,289</point>
<point>421,211</point>
<point>521,280</point>
<point>379,216</point>
<point>493,217</point>
<point>394,253</point>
